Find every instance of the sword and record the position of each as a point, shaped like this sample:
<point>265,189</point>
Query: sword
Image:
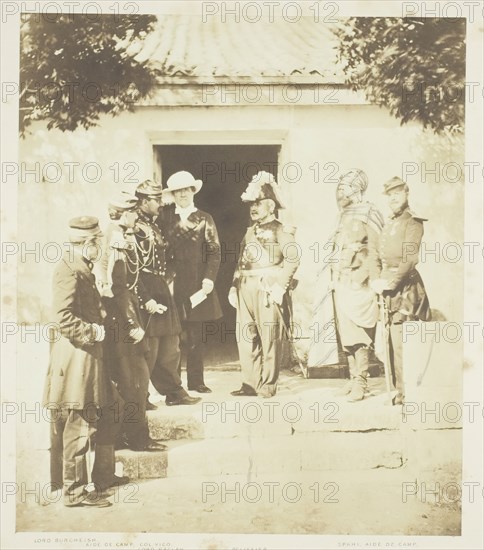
<point>386,351</point>
<point>288,332</point>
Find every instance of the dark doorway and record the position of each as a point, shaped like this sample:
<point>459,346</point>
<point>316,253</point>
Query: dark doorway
<point>225,171</point>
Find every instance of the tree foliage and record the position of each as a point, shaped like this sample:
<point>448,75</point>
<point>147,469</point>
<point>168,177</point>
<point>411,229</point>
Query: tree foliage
<point>414,67</point>
<point>73,68</point>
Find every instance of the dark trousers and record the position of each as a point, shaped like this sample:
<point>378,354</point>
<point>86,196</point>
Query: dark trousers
<point>70,432</point>
<point>194,353</point>
<point>133,378</point>
<point>163,360</point>
<point>396,359</point>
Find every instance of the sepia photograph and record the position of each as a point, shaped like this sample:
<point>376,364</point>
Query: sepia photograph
<point>242,274</point>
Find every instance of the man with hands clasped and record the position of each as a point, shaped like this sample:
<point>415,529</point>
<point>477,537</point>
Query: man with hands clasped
<point>268,260</point>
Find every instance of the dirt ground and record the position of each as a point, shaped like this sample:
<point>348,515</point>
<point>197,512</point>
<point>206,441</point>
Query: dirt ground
<point>372,502</point>
<point>326,503</point>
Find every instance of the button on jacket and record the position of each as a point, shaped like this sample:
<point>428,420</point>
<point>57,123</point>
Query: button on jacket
<point>152,281</point>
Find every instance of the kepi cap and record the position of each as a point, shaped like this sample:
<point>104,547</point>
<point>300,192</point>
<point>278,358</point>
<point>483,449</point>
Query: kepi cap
<point>393,184</point>
<point>123,202</point>
<point>148,188</point>
<point>83,228</point>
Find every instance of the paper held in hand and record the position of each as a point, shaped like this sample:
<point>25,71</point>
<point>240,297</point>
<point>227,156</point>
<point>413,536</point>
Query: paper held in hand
<point>197,298</point>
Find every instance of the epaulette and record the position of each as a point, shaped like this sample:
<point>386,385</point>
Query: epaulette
<point>417,217</point>
<point>141,230</point>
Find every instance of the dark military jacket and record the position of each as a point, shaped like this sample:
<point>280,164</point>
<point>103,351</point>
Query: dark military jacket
<point>393,257</point>
<point>123,309</point>
<point>193,255</point>
<point>271,249</point>
<point>152,279</point>
<point>76,376</point>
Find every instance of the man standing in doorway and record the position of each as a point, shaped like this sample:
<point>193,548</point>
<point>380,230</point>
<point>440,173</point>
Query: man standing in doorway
<point>268,260</point>
<point>194,250</point>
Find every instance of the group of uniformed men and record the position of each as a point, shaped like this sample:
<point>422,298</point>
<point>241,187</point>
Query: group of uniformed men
<point>372,259</point>
<point>157,285</point>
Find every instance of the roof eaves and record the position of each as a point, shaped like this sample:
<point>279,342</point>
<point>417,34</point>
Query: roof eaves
<point>315,77</point>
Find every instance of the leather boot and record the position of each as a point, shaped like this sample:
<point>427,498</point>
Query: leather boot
<point>360,385</point>
<point>346,389</point>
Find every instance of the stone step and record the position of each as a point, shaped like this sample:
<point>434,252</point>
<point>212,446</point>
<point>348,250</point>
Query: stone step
<point>135,465</point>
<point>257,458</point>
<point>142,465</point>
<point>281,454</point>
<point>340,370</point>
<point>317,411</point>
<point>310,451</point>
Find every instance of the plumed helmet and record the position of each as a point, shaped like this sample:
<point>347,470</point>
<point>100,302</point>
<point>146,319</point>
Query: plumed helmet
<point>262,186</point>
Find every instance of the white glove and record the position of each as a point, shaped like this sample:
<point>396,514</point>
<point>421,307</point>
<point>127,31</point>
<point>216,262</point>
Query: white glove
<point>151,306</point>
<point>379,285</point>
<point>160,308</point>
<point>136,334</point>
<point>233,299</point>
<point>99,332</point>
<point>277,293</point>
<point>207,286</point>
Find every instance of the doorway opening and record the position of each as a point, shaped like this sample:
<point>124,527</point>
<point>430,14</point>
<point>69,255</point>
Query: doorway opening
<point>225,171</point>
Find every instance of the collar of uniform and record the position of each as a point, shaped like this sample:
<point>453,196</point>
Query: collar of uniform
<point>75,258</point>
<point>89,264</point>
<point>266,224</point>
<point>146,218</point>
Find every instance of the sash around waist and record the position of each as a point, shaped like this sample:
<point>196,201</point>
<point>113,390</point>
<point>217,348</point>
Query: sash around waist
<point>153,271</point>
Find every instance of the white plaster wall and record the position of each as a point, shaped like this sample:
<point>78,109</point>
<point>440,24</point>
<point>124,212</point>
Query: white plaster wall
<point>337,137</point>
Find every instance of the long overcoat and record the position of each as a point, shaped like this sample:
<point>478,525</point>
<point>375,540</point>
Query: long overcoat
<point>194,253</point>
<point>76,377</point>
